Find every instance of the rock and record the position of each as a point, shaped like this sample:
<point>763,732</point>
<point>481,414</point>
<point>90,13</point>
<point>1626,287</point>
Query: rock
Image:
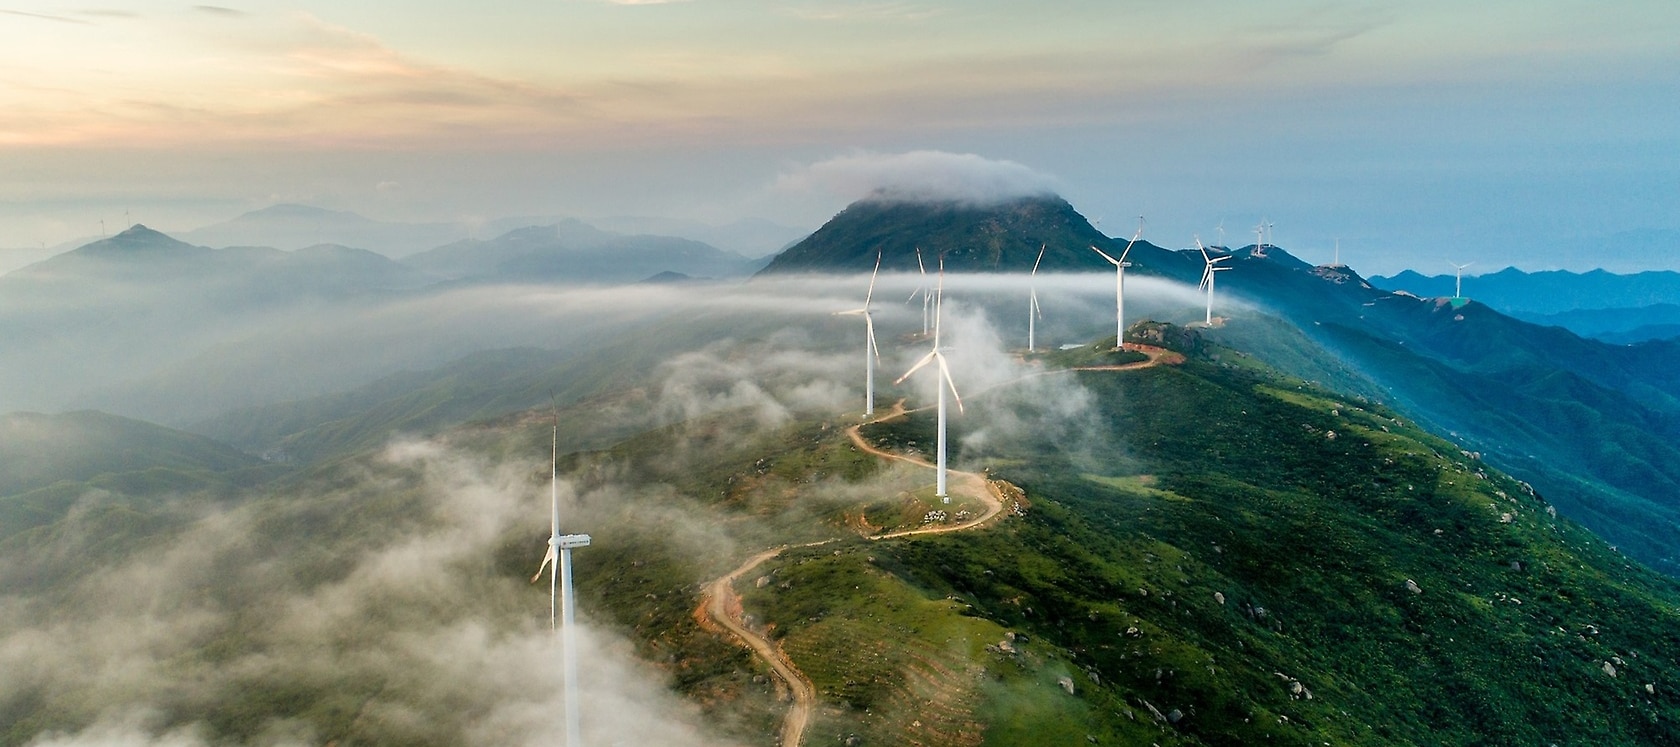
<point>1067,683</point>
<point>1153,711</point>
<point>1650,689</point>
<point>1610,669</point>
<point>1219,597</point>
<point>761,582</point>
<point>1412,587</point>
<point>1174,716</point>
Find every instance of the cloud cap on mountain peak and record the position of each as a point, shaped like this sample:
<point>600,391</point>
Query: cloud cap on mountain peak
<point>920,176</point>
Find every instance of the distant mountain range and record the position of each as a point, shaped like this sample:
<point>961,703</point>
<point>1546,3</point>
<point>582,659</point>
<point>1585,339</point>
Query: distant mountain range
<point>132,319</point>
<point>1618,308</point>
<point>289,227</point>
<point>574,251</point>
<point>299,226</point>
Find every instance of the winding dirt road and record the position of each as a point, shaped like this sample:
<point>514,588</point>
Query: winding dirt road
<point>720,605</point>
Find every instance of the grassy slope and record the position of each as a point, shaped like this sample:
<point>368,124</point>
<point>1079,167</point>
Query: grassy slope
<point>1310,541</point>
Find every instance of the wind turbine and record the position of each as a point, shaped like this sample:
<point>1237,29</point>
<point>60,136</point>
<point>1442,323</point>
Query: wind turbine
<point>1033,312</point>
<point>1211,267</point>
<point>936,356</point>
<point>560,554</point>
<point>1120,266</point>
<point>870,352</point>
<point>1458,277</point>
<point>923,290</point>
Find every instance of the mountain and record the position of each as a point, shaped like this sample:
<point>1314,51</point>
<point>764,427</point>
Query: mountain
<point>121,307</point>
<point>575,252</point>
<point>297,226</point>
<point>38,450</point>
<point>1590,423</point>
<point>51,466</point>
<point>1000,237</point>
<point>1615,325</point>
<point>1516,292</point>
<point>748,237</point>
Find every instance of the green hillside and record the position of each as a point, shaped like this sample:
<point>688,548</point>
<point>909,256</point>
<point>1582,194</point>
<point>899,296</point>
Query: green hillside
<point>1204,570</point>
<point>1209,553</point>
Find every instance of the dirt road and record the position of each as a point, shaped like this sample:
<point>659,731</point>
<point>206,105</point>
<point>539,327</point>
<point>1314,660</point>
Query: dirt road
<point>720,605</point>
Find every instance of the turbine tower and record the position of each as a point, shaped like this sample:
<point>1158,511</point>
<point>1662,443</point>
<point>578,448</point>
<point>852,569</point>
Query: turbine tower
<point>1211,266</point>
<point>944,381</point>
<point>870,353</point>
<point>927,301</point>
<point>1120,266</point>
<point>1033,312</point>
<point>1458,277</point>
<point>560,554</point>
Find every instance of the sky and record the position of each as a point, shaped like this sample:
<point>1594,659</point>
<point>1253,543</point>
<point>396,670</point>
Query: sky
<point>1537,134</point>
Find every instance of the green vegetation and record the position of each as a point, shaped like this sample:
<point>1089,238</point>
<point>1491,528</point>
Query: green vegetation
<point>1312,569</point>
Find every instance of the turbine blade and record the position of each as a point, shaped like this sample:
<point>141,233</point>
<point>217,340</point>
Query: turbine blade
<point>547,559</point>
<point>1111,260</point>
<point>871,293</point>
<point>924,361</point>
<point>938,302</point>
<point>945,372</point>
<point>1041,248</point>
<point>869,324</point>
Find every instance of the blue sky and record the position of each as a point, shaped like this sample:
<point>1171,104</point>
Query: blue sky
<point>1496,132</point>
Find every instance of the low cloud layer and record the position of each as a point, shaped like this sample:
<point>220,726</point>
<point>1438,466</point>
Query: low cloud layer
<point>919,176</point>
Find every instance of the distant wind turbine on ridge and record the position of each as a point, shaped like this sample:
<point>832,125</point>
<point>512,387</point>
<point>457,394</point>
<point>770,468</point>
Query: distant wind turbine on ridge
<point>922,289</point>
<point>944,381</point>
<point>560,556</point>
<point>1211,266</point>
<point>871,353</point>
<point>1458,277</point>
<point>1120,266</point>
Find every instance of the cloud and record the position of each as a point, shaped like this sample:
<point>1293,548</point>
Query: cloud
<point>217,10</point>
<point>919,176</point>
<point>42,16</point>
<point>865,11</point>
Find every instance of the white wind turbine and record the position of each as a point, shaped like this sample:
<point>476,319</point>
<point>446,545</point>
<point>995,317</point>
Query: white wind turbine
<point>1033,312</point>
<point>936,356</point>
<point>927,301</point>
<point>1458,277</point>
<point>870,352</point>
<point>1120,266</point>
<point>560,555</point>
<point>1211,266</point>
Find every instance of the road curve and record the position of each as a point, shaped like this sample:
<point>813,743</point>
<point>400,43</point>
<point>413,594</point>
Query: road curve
<point>720,605</point>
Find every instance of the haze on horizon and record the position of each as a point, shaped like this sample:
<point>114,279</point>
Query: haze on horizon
<point>1502,134</point>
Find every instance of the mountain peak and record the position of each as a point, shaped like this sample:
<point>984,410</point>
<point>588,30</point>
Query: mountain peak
<point>1000,236</point>
<point>137,238</point>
